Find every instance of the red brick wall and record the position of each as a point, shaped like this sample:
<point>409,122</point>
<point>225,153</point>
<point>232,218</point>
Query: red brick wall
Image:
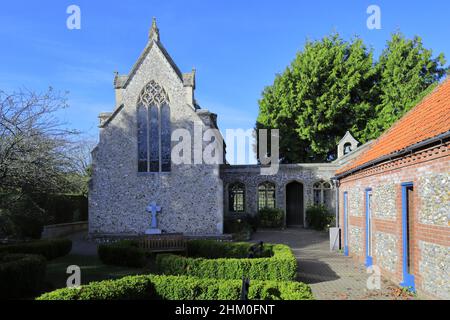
<point>407,169</point>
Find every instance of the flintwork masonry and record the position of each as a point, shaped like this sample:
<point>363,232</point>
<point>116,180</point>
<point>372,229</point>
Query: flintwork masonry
<point>405,173</point>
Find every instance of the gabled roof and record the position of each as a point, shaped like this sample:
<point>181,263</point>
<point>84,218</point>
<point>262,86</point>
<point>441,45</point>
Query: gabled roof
<point>429,119</point>
<point>348,136</point>
<point>122,81</point>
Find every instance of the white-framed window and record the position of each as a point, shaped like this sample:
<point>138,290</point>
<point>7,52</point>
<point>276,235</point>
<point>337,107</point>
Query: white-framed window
<point>266,195</point>
<point>154,129</point>
<point>323,193</point>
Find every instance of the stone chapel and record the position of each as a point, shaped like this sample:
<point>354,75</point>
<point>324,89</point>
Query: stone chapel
<point>132,164</point>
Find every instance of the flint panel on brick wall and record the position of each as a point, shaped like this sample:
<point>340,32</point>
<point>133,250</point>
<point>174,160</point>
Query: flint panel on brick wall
<point>356,201</point>
<point>386,250</point>
<point>356,240</point>
<point>434,267</point>
<point>384,201</point>
<point>434,191</point>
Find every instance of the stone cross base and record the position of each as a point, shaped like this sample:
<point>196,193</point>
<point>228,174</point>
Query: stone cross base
<point>153,231</point>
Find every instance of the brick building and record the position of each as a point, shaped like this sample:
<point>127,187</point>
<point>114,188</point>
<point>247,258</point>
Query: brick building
<point>394,202</point>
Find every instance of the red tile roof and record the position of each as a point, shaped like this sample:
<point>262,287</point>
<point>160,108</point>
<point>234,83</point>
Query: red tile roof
<point>430,118</point>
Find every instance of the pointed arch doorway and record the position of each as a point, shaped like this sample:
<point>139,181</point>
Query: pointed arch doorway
<point>294,204</point>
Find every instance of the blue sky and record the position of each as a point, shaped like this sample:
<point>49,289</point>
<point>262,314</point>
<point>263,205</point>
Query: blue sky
<point>237,47</point>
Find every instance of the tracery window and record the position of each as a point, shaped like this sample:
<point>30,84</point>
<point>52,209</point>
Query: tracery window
<point>236,197</point>
<point>266,196</point>
<point>323,193</point>
<point>154,129</point>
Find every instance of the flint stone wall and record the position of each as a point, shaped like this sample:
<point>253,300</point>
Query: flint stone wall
<point>434,267</point>
<point>386,250</point>
<point>190,195</point>
<point>251,177</point>
<point>434,192</point>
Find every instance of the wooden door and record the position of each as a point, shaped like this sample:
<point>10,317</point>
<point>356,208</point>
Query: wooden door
<point>294,204</point>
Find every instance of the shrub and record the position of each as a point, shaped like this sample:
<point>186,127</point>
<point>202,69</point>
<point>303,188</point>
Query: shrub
<point>157,287</point>
<point>279,265</point>
<point>240,227</point>
<point>50,249</point>
<point>271,218</point>
<point>21,275</point>
<point>211,249</point>
<point>24,216</point>
<point>63,208</point>
<point>318,217</point>
<point>123,253</point>
<point>21,217</point>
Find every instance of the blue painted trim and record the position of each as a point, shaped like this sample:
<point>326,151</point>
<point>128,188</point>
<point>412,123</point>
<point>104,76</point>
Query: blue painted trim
<point>346,224</point>
<point>369,260</point>
<point>408,279</point>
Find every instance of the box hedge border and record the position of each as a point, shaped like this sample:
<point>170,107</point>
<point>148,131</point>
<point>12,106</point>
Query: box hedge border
<point>50,249</point>
<point>123,253</point>
<point>281,266</point>
<point>21,275</point>
<point>160,287</point>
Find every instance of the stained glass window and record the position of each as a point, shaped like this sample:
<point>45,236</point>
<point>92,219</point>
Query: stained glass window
<point>165,138</point>
<point>142,139</point>
<point>154,129</point>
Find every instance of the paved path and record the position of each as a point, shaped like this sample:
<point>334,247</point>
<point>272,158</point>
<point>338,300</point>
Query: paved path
<point>81,246</point>
<point>331,275</point>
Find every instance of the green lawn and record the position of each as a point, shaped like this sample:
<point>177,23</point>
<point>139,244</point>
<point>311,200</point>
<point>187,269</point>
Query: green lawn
<point>92,269</point>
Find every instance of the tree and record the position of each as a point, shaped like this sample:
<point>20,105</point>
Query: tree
<point>33,142</point>
<point>80,174</point>
<point>34,157</point>
<point>333,86</point>
<point>326,91</point>
<point>406,69</point>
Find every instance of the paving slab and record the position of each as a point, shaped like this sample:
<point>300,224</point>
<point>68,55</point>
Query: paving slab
<point>331,275</point>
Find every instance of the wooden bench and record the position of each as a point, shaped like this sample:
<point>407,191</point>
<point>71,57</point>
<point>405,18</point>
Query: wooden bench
<point>164,243</point>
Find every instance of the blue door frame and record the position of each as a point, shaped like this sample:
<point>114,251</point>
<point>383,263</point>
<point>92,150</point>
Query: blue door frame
<point>345,223</point>
<point>408,279</point>
<point>369,260</point>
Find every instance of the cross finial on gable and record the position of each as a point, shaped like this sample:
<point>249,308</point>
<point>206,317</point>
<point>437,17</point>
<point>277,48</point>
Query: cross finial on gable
<point>154,31</point>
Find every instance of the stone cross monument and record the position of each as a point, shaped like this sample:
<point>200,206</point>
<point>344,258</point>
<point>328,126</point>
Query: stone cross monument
<point>153,209</point>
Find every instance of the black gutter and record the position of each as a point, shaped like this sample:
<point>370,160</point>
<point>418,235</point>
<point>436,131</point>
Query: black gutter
<point>440,138</point>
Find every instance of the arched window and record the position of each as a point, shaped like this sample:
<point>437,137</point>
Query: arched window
<point>154,129</point>
<point>266,196</point>
<point>323,193</point>
<point>236,197</point>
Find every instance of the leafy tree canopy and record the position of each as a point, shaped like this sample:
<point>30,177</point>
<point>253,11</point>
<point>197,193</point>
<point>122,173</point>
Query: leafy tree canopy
<point>334,85</point>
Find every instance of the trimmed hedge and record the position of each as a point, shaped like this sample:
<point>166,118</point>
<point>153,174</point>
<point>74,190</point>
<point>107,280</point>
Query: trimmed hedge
<point>123,253</point>
<point>50,249</point>
<point>281,265</point>
<point>156,287</point>
<point>214,249</point>
<point>63,208</point>
<point>21,275</point>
